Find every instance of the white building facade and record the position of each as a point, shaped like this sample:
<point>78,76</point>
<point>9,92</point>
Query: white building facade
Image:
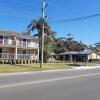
<point>18,47</point>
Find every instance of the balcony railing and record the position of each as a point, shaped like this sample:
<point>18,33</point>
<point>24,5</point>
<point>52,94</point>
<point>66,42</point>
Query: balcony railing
<point>6,56</point>
<point>9,42</point>
<point>18,56</point>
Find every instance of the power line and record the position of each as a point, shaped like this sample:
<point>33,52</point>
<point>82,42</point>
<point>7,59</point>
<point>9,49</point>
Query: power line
<point>7,10</point>
<point>6,24</point>
<point>4,8</point>
<point>76,19</point>
<point>21,2</point>
<point>61,9</point>
<point>14,10</point>
<point>17,15</point>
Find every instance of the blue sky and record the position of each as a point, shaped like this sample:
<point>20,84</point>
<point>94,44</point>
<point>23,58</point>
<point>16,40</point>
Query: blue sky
<point>17,14</point>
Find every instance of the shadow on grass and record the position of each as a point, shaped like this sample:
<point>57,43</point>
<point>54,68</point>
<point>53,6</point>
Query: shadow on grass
<point>74,65</point>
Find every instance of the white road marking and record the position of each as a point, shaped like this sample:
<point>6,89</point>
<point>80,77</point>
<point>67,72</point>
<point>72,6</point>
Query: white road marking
<point>48,80</point>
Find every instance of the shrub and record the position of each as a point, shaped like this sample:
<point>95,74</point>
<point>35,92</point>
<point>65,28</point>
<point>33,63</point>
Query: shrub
<point>94,60</point>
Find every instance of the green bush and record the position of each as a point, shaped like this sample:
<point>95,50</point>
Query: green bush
<point>46,55</point>
<point>94,60</point>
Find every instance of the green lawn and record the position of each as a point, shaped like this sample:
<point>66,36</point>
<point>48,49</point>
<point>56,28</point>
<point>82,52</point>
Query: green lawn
<point>6,68</point>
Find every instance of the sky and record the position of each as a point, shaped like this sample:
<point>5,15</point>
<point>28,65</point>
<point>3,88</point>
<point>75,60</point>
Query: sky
<point>16,15</point>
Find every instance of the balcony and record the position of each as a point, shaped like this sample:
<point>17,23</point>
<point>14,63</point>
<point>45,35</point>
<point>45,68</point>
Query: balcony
<point>7,42</point>
<point>7,56</point>
<point>13,43</point>
<point>27,44</point>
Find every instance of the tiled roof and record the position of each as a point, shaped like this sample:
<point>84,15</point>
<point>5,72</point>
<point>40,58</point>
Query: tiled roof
<point>12,33</point>
<point>69,52</point>
<point>76,53</point>
<point>8,32</point>
<point>86,52</point>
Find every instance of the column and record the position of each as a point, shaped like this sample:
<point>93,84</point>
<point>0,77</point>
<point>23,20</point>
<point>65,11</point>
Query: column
<point>64,57</point>
<point>16,53</point>
<point>38,55</point>
<point>70,58</point>
<point>3,39</point>
<point>16,49</point>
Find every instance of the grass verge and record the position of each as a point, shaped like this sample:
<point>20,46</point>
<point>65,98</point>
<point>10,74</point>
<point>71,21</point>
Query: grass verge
<point>6,68</point>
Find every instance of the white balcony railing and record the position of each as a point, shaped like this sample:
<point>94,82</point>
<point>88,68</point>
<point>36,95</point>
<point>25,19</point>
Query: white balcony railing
<point>7,56</point>
<point>19,56</point>
<point>9,42</point>
<point>27,44</point>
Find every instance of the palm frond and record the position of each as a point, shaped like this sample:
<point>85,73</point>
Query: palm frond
<point>36,35</point>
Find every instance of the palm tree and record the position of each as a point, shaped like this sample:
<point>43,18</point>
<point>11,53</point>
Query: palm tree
<point>48,34</point>
<point>37,24</point>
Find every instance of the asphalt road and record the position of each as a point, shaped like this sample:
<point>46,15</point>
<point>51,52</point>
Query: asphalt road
<point>63,85</point>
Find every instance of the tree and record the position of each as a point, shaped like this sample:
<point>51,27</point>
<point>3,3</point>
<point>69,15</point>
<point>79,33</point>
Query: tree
<point>97,46</point>
<point>26,33</point>
<point>80,46</point>
<point>73,45</point>
<point>48,36</point>
<point>69,44</point>
<point>60,45</point>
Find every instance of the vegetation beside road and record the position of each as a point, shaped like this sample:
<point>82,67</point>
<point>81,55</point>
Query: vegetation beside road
<point>6,68</point>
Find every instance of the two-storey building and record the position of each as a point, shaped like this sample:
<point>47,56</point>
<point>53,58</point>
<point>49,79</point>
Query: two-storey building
<point>19,48</point>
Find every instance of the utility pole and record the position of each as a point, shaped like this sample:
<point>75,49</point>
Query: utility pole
<point>42,37</point>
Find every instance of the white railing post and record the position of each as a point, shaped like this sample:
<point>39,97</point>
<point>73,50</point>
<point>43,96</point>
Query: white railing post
<point>7,55</point>
<point>26,44</point>
<point>38,55</point>
<point>16,49</point>
<point>3,39</point>
<point>23,43</point>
